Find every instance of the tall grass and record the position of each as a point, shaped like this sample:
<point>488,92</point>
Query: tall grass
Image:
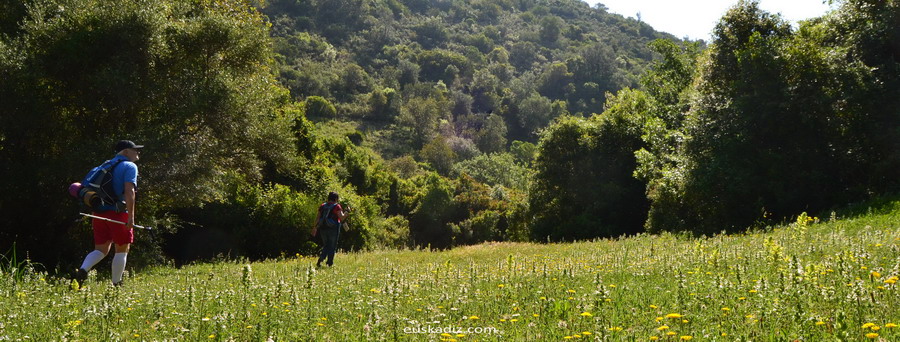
<point>812,280</point>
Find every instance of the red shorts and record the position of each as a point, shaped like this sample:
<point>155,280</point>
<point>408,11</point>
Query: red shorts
<point>104,231</point>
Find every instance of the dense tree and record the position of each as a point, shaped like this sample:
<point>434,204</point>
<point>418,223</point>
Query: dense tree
<point>583,184</point>
<point>767,134</point>
<point>439,155</point>
<point>556,81</point>
<point>495,169</point>
<point>190,80</point>
<point>429,221</point>
<point>418,120</point>
<point>319,107</point>
<point>492,136</point>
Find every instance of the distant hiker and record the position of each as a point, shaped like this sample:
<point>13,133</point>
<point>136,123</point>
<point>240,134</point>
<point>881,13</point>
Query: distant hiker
<point>328,224</point>
<point>124,184</point>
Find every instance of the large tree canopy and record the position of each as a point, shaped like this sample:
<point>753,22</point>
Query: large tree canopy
<point>188,79</point>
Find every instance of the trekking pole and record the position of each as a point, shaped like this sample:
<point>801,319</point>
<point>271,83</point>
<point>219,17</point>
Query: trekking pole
<point>113,221</point>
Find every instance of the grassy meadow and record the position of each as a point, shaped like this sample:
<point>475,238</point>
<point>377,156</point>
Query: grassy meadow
<point>817,279</point>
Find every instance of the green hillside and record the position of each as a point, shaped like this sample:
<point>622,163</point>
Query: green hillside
<point>817,279</point>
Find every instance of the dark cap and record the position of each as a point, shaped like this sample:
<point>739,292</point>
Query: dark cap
<point>123,144</point>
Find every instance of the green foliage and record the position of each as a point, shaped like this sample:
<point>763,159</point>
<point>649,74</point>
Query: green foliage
<point>551,27</point>
<point>476,48</point>
<point>305,46</point>
<point>492,136</point>
<point>439,155</point>
<point>265,221</point>
<point>495,169</point>
<point>384,104</point>
<point>583,185</point>
<point>428,223</point>
<point>418,120</point>
<point>319,107</point>
<point>523,151</point>
<point>430,33</point>
<point>191,80</point>
<point>443,65</point>
<point>482,227</point>
<point>556,81</point>
<point>768,132</point>
<point>392,233</point>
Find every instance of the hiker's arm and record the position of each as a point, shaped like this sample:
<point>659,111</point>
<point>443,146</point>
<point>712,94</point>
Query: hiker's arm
<point>129,204</point>
<point>344,214</point>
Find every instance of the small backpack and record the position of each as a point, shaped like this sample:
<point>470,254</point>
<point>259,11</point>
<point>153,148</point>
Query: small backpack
<point>97,187</point>
<point>325,219</point>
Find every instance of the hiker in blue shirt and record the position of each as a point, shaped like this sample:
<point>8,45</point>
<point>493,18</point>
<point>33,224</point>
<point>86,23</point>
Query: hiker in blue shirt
<point>328,225</point>
<point>124,184</point>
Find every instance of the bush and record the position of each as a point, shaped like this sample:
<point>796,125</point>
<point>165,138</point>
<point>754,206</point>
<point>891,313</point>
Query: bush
<point>479,228</point>
<point>391,233</point>
<point>495,169</point>
<point>319,107</point>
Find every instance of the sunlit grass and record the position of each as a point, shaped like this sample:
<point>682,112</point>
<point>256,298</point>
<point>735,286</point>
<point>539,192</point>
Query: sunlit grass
<point>811,280</point>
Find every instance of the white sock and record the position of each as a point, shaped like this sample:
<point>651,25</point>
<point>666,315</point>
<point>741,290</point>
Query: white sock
<point>92,259</point>
<point>118,266</point>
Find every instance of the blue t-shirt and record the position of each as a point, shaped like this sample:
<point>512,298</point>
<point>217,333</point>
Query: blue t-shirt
<point>125,172</point>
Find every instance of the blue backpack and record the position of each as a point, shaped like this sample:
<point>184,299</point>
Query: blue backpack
<point>326,221</point>
<point>97,191</point>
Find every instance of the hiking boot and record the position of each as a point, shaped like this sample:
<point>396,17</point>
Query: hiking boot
<point>119,284</point>
<point>81,275</point>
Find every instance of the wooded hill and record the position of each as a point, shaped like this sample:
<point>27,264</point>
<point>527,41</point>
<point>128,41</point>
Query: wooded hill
<point>474,75</point>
